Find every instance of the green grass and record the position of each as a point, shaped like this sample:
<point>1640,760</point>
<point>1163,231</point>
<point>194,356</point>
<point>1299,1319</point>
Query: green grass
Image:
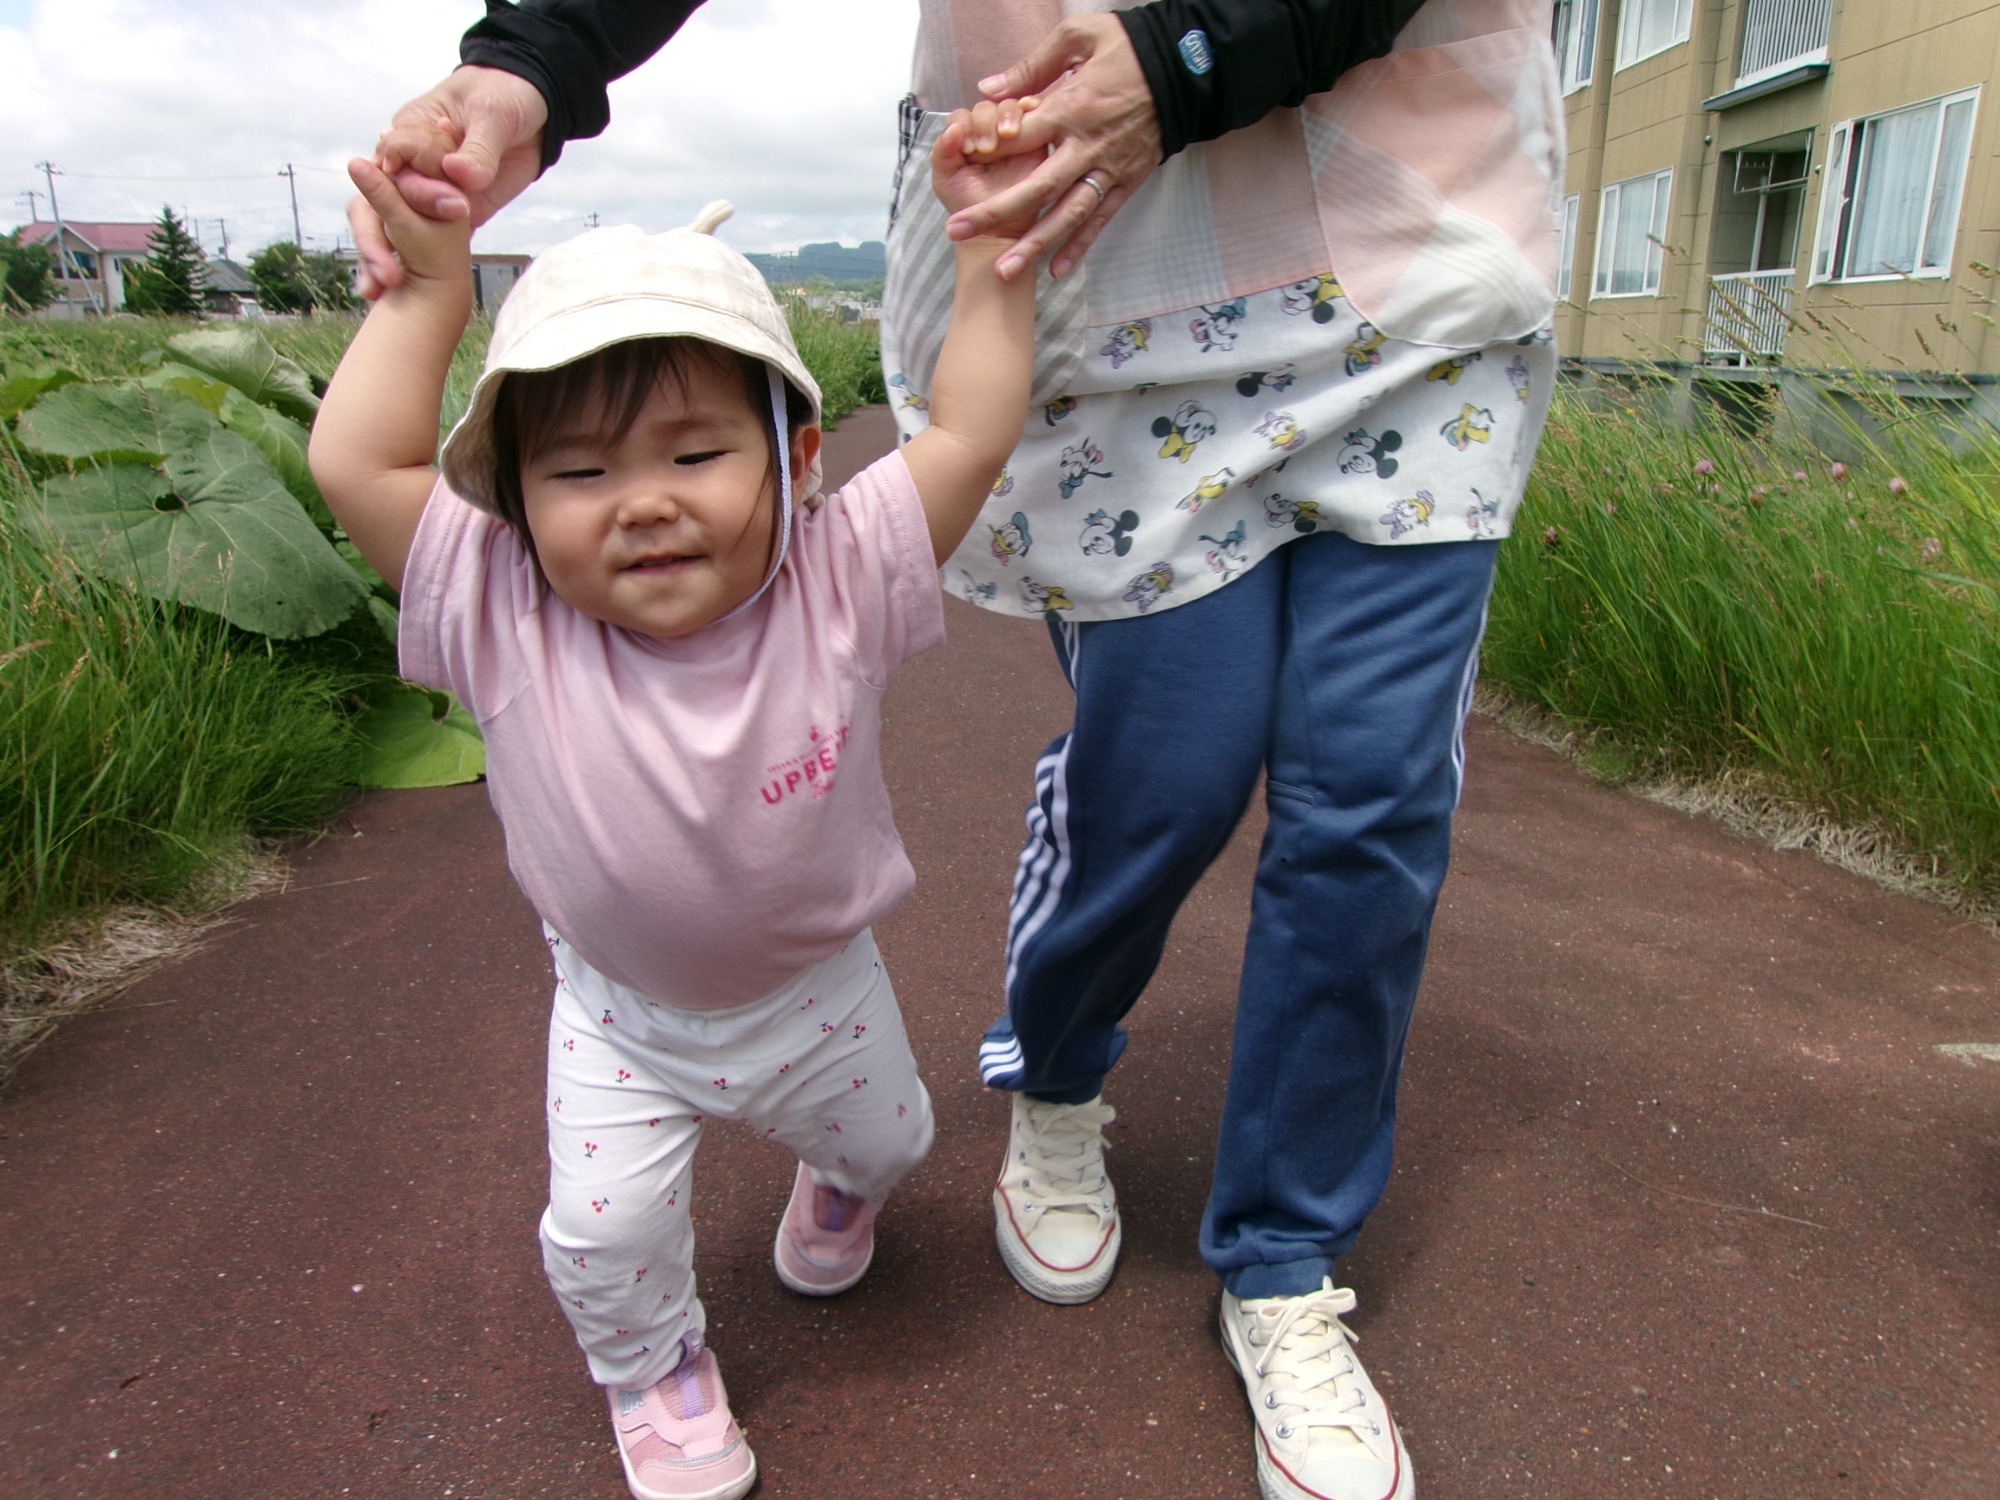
<point>140,743</point>
<point>1688,596</point>
<point>845,358</point>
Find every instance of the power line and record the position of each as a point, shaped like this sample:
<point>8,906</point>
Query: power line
<point>138,177</point>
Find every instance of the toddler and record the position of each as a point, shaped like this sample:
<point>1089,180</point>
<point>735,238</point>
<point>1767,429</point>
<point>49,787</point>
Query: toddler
<point>678,660</point>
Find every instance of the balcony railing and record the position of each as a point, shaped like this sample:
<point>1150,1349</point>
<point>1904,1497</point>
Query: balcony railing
<point>1781,34</point>
<point>1748,314</point>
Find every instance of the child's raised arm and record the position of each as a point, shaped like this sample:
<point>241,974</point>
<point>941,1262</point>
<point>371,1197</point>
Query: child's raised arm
<point>979,396</point>
<point>377,430</point>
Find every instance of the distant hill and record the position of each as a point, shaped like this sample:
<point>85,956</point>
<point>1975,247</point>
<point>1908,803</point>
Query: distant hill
<point>830,262</point>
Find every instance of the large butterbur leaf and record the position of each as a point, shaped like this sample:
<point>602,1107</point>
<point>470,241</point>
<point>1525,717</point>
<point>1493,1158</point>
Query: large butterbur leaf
<point>283,444</point>
<point>102,423</point>
<point>281,440</point>
<point>21,387</point>
<point>183,380</point>
<point>412,737</point>
<point>244,358</point>
<point>217,530</point>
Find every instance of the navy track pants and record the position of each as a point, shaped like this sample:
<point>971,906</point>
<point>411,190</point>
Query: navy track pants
<point>1343,672</point>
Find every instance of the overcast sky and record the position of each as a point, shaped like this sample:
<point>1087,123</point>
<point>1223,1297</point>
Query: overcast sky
<point>785,107</point>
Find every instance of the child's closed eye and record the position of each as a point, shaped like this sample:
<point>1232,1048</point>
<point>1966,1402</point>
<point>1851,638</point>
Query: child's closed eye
<point>699,458</point>
<point>578,474</point>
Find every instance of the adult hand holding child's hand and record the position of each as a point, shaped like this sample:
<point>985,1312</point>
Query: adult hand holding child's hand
<point>426,250</point>
<point>1093,139</point>
<point>966,169</point>
<point>462,151</point>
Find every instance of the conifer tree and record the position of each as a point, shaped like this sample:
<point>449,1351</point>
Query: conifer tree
<point>171,278</point>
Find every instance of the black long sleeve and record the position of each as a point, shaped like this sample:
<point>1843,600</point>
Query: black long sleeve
<point>1217,65</point>
<point>1212,65</point>
<point>570,50</point>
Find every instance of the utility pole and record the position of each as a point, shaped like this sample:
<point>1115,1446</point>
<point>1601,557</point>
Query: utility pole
<point>222,228</point>
<point>34,205</point>
<point>298,235</point>
<point>590,219</point>
<point>49,173</point>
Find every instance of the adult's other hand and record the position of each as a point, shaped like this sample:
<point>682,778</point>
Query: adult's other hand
<point>469,146</point>
<point>1096,124</point>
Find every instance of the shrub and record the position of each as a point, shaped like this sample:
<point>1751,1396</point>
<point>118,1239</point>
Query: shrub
<point>300,281</point>
<point>27,275</point>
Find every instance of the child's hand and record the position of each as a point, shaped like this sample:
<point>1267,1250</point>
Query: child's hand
<point>973,161</point>
<point>430,249</point>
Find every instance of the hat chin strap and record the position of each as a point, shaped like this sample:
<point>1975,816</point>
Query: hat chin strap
<point>777,389</point>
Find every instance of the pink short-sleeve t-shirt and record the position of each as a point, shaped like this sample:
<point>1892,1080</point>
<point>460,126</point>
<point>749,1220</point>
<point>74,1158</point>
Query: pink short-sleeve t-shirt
<point>700,817</point>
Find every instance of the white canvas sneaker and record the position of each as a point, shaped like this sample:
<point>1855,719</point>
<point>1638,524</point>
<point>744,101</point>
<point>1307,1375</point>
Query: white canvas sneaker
<point>1323,1432</point>
<point>1054,1213</point>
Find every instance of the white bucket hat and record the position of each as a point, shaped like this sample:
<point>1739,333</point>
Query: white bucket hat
<point>608,286</point>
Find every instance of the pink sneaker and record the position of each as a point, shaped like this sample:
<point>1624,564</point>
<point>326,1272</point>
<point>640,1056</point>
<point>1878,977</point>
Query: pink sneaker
<point>827,1238</point>
<point>677,1439</point>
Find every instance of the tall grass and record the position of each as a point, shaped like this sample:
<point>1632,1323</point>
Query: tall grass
<point>1714,604</point>
<point>845,358</point>
<point>140,742</point>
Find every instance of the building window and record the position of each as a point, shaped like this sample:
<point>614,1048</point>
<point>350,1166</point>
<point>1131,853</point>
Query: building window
<point>1576,42</point>
<point>1650,26</point>
<point>1566,246</point>
<point>1782,34</point>
<point>1632,236</point>
<point>1893,187</point>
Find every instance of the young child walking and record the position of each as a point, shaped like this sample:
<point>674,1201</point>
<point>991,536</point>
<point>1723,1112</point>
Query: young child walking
<point>678,660</point>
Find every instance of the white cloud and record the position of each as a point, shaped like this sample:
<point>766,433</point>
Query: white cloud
<point>785,107</point>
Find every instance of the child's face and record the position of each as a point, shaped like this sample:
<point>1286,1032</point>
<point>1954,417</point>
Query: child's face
<point>671,526</point>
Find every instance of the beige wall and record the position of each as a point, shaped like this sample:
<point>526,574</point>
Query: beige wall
<point>1649,117</point>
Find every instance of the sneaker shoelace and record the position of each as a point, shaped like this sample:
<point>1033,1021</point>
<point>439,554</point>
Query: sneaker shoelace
<point>1311,1378</point>
<point>1062,1158</point>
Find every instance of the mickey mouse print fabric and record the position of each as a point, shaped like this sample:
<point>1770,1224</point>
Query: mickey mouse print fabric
<point>1190,445</point>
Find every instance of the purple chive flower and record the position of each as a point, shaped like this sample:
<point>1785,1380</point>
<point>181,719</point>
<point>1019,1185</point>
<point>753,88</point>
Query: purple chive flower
<point>1704,467</point>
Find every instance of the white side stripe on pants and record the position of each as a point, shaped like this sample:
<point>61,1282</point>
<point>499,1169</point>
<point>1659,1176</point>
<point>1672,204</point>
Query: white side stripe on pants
<point>1466,687</point>
<point>1044,864</point>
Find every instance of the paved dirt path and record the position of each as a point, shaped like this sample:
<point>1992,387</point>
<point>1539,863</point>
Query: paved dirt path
<point>1688,1202</point>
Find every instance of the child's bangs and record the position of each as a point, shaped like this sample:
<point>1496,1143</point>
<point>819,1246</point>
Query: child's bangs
<point>601,395</point>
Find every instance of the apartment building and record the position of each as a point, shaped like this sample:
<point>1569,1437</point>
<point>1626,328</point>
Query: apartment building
<point>1770,192</point>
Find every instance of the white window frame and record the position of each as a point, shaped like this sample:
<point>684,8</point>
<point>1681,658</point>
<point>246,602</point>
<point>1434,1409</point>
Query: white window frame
<point>1572,211</point>
<point>1841,190</point>
<point>1782,18</point>
<point>1575,38</point>
<point>1633,12</point>
<point>1661,187</point>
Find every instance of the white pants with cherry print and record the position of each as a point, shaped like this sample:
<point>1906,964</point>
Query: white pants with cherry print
<point>821,1066</point>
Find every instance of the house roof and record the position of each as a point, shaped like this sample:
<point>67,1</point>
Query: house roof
<point>228,276</point>
<point>105,238</point>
